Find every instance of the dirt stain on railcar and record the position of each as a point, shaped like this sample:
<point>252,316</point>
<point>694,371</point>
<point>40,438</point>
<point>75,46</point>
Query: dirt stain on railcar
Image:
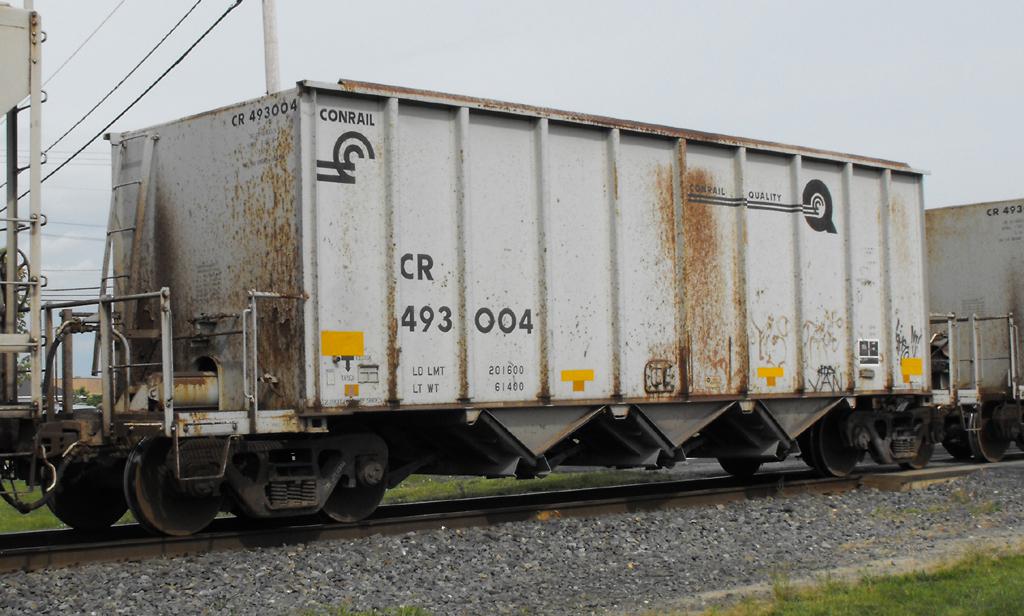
<point>273,263</point>
<point>901,235</point>
<point>666,210</point>
<point>666,352</point>
<point>394,351</point>
<point>704,286</point>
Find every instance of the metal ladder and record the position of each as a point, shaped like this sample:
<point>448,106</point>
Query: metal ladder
<point>115,227</point>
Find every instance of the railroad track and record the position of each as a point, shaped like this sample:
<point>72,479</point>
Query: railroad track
<point>61,548</point>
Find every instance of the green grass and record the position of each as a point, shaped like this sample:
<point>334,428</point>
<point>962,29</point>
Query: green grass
<point>429,487</point>
<point>12,522</point>
<point>975,585</point>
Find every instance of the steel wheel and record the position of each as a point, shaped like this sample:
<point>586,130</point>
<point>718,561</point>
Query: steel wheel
<point>154,497</point>
<point>740,467</point>
<point>353,504</point>
<point>89,496</point>
<point>925,450</point>
<point>807,449</point>
<point>832,457</point>
<point>958,447</point>
<point>987,441</point>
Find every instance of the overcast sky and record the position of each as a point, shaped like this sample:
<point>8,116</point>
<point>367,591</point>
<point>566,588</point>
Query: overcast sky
<point>939,85</point>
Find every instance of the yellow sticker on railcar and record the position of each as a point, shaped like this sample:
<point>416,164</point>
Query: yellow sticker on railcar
<point>911,366</point>
<point>770,373</point>
<point>578,378</point>
<point>352,390</point>
<point>341,344</point>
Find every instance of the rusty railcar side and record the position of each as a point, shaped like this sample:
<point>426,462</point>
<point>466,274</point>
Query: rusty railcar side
<point>639,263</point>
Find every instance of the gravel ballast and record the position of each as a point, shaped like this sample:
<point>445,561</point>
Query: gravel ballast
<point>624,563</point>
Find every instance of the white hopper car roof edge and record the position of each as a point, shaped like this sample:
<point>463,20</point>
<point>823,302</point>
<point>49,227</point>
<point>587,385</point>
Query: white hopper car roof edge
<point>483,104</point>
<point>362,88</point>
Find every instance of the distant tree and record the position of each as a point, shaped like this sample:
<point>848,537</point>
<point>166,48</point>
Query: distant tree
<point>82,396</point>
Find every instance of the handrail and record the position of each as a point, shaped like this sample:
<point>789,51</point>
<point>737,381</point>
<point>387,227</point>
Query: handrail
<point>108,335</point>
<point>251,389</point>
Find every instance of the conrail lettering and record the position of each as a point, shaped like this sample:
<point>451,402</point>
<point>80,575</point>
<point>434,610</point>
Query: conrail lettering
<point>709,189</point>
<point>347,117</point>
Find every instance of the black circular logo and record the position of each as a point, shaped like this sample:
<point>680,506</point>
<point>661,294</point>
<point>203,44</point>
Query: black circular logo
<point>817,205</point>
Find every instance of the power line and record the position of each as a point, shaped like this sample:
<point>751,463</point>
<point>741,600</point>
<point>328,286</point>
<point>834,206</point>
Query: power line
<point>79,48</point>
<point>97,156</point>
<point>83,163</point>
<point>125,78</point>
<point>87,39</point>
<point>181,58</point>
<point>76,224</point>
<point>92,188</point>
<point>104,153</point>
<point>67,289</point>
<point>69,236</point>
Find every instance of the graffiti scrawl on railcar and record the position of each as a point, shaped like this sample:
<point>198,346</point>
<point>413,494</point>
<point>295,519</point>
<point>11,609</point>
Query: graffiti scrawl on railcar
<point>826,378</point>
<point>907,346</point>
<point>771,340</point>
<point>822,337</point>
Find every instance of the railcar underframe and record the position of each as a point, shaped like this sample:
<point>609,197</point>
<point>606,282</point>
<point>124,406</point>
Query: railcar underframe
<point>176,468</point>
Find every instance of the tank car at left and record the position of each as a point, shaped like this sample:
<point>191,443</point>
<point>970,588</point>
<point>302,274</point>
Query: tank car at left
<point>50,451</point>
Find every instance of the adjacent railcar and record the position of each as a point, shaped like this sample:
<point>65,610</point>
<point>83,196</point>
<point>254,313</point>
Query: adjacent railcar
<point>976,287</point>
<point>321,291</point>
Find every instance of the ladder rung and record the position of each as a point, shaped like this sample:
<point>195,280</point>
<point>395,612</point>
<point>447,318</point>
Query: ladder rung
<point>20,343</point>
<point>16,411</point>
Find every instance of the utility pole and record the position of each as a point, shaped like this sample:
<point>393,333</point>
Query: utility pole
<point>270,46</point>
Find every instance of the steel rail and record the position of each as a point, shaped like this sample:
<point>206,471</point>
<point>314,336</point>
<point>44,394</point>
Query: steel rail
<point>61,548</point>
<point>129,542</point>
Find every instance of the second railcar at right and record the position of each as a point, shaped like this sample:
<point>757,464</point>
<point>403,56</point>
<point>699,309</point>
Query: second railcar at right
<point>975,261</point>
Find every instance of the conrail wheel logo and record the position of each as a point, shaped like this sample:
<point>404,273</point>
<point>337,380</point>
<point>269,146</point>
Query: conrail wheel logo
<point>343,165</point>
<point>817,206</point>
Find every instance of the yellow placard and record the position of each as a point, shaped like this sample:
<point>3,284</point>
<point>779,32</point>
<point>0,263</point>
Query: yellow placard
<point>341,344</point>
<point>911,366</point>
<point>578,378</point>
<point>352,390</point>
<point>770,373</point>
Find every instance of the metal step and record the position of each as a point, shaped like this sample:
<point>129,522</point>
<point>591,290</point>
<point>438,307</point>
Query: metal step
<point>16,343</point>
<point>17,411</point>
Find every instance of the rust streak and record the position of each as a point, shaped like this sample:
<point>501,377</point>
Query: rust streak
<point>666,211</point>
<point>706,287</point>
